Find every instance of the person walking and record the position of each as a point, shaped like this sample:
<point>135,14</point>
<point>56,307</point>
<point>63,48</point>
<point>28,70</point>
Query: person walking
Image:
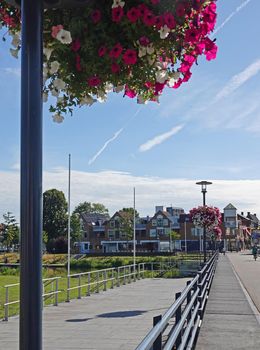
<point>254,251</point>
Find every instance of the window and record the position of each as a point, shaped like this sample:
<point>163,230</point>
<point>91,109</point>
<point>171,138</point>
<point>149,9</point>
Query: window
<point>165,222</point>
<point>152,232</point>
<point>167,231</point>
<point>160,222</point>
<point>112,223</point>
<point>160,231</point>
<point>111,234</point>
<point>154,222</point>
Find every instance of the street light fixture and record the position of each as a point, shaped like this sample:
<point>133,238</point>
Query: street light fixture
<point>204,185</point>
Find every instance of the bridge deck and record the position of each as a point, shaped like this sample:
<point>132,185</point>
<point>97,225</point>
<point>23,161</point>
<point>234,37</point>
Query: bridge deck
<point>115,319</point>
<point>229,322</point>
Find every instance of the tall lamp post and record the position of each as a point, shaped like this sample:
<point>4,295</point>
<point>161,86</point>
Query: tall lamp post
<point>204,185</point>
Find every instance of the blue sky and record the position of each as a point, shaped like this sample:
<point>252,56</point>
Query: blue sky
<point>212,124</point>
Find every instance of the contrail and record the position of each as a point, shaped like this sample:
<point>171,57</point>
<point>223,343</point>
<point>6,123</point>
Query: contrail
<point>157,140</point>
<point>113,138</point>
<point>239,8</point>
<point>239,79</point>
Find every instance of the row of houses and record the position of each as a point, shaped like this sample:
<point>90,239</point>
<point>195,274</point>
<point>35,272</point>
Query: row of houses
<point>104,234</point>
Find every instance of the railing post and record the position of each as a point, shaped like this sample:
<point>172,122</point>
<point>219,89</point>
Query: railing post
<point>43,292</point>
<point>97,285</point>
<point>6,303</point>
<point>157,345</point>
<point>138,276</point>
<point>88,289</point>
<point>124,276</point>
<point>56,292</point>
<point>200,289</point>
<point>152,268</point>
<point>178,318</point>
<point>118,276</point>
<point>112,278</point>
<point>188,301</point>
<point>68,289</point>
<point>79,287</point>
<point>105,280</point>
<point>134,272</point>
<point>129,273</point>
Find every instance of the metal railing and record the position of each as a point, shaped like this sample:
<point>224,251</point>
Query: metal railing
<point>50,289</point>
<point>105,278</point>
<point>181,321</point>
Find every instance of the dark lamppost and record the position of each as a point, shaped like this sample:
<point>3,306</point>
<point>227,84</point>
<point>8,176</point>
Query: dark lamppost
<point>204,191</point>
<point>31,168</point>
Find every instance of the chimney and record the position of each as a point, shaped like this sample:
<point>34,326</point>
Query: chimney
<point>158,207</point>
<point>242,213</point>
<point>248,213</point>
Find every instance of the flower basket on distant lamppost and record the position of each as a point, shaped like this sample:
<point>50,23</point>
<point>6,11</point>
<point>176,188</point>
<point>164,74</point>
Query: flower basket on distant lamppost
<point>207,217</point>
<point>138,47</point>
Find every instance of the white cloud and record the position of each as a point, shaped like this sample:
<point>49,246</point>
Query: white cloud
<point>239,8</point>
<point>238,80</point>
<point>13,71</point>
<point>157,140</point>
<point>115,191</point>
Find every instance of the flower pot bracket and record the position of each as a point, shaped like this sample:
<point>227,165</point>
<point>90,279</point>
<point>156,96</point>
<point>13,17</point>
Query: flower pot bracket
<point>55,3</point>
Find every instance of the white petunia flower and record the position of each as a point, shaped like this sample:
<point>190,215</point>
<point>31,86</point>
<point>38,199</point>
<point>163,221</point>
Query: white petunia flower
<point>118,3</point>
<point>150,49</point>
<point>161,76</point>
<point>59,84</point>
<point>47,52</point>
<point>142,51</point>
<point>57,118</point>
<point>16,40</point>
<point>119,88</point>
<point>45,97</point>
<point>55,92</point>
<point>174,77</point>
<point>141,100</point>
<point>151,60</point>
<point>108,87</point>
<point>64,36</point>
<point>101,96</point>
<point>14,52</point>
<point>54,67</point>
<point>164,32</point>
<point>87,100</point>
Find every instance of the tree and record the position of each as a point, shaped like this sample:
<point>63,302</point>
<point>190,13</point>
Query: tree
<point>174,236</point>
<point>9,230</point>
<point>55,215</point>
<point>75,226</point>
<point>87,207</point>
<point>127,222</point>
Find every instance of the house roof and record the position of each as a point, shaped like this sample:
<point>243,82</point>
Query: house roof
<point>94,217</point>
<point>230,206</point>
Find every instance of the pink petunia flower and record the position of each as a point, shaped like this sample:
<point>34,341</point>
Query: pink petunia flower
<point>133,14</point>
<point>55,30</point>
<point>96,16</point>
<point>116,51</point>
<point>115,68</point>
<point>169,20</point>
<point>130,57</point>
<point>102,51</point>
<point>117,14</point>
<point>94,81</point>
<point>75,45</point>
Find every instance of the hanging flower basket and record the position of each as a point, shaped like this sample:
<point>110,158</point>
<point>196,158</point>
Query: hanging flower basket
<point>138,47</point>
<point>205,216</point>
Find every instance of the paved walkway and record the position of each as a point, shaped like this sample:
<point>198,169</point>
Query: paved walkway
<point>229,322</point>
<point>116,319</point>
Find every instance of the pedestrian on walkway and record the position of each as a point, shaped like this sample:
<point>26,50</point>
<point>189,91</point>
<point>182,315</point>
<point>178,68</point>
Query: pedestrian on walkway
<point>254,251</point>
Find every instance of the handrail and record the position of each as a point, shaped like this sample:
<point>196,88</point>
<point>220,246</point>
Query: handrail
<point>195,294</point>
